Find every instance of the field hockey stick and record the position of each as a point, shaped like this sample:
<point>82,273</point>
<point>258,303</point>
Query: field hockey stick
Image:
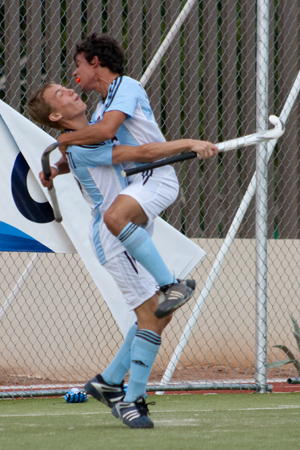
<point>233,144</point>
<point>47,173</point>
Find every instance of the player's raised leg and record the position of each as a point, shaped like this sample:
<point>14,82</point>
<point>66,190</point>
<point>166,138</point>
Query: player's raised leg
<point>123,219</point>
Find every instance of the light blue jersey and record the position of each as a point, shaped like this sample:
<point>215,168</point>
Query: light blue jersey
<point>100,183</point>
<point>128,96</point>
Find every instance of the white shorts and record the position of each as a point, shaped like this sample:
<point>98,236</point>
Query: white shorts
<point>135,283</point>
<point>154,190</point>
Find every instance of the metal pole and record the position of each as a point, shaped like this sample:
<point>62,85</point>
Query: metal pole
<point>261,194</point>
<point>167,41</point>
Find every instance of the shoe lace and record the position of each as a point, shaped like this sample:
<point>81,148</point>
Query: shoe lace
<point>164,288</point>
<point>168,286</point>
<point>143,407</point>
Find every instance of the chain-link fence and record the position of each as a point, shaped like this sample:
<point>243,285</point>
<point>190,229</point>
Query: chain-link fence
<point>56,329</point>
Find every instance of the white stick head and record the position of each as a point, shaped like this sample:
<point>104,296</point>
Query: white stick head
<point>278,129</point>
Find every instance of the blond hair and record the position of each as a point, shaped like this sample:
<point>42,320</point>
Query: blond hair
<point>40,110</point>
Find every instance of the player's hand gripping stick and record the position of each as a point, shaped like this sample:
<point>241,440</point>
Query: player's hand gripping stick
<point>245,141</point>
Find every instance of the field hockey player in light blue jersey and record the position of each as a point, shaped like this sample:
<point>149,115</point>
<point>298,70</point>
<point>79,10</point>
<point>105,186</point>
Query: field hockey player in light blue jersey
<point>125,113</point>
<point>97,169</point>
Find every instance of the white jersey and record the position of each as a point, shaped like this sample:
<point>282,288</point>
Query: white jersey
<point>100,184</point>
<point>128,96</point>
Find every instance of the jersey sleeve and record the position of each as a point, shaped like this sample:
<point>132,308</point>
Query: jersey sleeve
<point>124,96</point>
<point>91,155</point>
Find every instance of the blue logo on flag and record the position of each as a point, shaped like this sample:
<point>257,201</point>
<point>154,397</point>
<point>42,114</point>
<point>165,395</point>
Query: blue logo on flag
<point>14,240</point>
<point>28,207</point>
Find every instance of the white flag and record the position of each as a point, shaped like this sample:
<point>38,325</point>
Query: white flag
<point>25,214</point>
<point>26,217</point>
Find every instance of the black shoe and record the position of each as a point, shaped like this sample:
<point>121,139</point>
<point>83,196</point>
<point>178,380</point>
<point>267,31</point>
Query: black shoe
<point>104,392</point>
<point>134,414</point>
<point>173,296</point>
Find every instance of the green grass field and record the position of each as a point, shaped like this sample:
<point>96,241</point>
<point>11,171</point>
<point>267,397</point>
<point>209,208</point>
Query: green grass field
<point>214,421</point>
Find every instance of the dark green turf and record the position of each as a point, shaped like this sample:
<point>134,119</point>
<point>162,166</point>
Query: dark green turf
<point>223,421</point>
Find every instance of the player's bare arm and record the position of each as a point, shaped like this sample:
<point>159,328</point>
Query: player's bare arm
<point>158,150</point>
<point>142,153</point>
<point>94,134</point>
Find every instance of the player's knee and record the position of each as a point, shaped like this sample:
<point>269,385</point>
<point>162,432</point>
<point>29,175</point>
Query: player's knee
<point>111,220</point>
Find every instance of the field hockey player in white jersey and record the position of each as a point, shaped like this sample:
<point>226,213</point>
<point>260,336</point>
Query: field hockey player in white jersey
<point>98,170</point>
<point>125,112</point>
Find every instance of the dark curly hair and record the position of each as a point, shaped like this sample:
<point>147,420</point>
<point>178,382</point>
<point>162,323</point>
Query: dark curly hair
<point>106,48</point>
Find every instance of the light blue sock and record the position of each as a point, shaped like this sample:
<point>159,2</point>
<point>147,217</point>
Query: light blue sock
<point>144,349</point>
<point>140,245</point>
<point>120,365</point>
